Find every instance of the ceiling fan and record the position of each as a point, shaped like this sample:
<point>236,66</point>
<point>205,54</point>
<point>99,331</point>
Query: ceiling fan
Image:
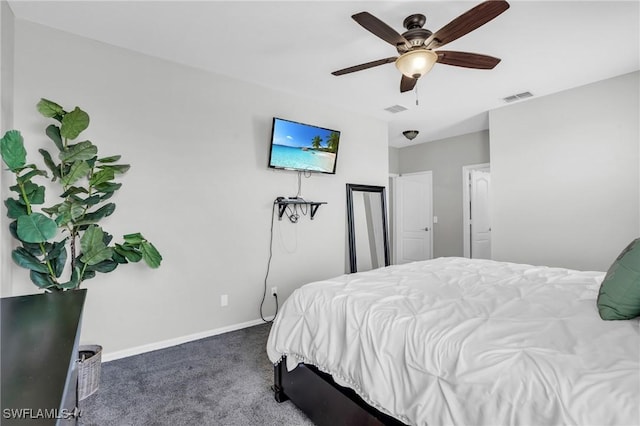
<point>416,45</point>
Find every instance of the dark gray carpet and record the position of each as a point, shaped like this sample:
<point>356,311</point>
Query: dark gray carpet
<point>220,380</point>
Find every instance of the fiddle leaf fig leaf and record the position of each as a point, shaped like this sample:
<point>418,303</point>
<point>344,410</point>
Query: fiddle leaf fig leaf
<point>49,108</point>
<point>108,187</point>
<point>117,168</point>
<point>69,211</point>
<point>130,254</point>
<point>93,237</point>
<point>102,176</point>
<point>26,260</point>
<point>48,161</point>
<point>58,257</point>
<point>41,279</point>
<point>93,247</point>
<point>84,150</point>
<point>99,214</point>
<point>36,228</point>
<point>95,257</point>
<point>133,239</point>
<point>73,282</point>
<point>90,201</point>
<point>14,208</point>
<point>27,176</point>
<point>73,190</point>
<point>53,132</point>
<point>12,150</point>
<point>111,159</point>
<point>92,161</point>
<point>13,229</point>
<point>74,123</point>
<point>78,170</point>
<point>106,239</point>
<point>106,196</point>
<point>88,275</point>
<point>104,266</point>
<point>53,210</point>
<point>37,196</point>
<point>150,254</point>
<point>117,257</point>
<point>34,193</point>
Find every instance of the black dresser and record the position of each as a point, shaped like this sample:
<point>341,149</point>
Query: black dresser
<point>38,353</point>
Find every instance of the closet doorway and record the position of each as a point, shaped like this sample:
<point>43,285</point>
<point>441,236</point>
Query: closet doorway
<point>476,190</point>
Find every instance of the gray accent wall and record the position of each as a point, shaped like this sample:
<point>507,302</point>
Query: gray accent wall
<point>445,159</point>
<point>394,160</point>
<point>565,176</point>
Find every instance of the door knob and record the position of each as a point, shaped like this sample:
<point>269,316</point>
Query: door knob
<point>426,229</point>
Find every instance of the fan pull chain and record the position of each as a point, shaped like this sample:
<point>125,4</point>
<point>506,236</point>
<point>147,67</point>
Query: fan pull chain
<point>416,90</point>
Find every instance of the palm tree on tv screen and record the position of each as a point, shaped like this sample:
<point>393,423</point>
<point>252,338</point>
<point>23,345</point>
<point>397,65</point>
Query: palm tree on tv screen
<point>332,141</point>
<point>316,141</point>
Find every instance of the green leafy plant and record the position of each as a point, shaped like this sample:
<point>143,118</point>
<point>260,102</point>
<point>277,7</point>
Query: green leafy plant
<point>65,238</point>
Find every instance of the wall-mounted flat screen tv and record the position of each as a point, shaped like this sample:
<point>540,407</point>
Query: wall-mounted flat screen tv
<point>303,147</point>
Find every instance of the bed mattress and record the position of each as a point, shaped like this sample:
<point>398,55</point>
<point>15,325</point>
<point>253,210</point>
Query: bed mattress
<point>456,341</point>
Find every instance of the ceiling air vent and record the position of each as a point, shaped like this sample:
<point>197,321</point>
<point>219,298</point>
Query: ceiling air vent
<point>395,109</point>
<point>513,98</point>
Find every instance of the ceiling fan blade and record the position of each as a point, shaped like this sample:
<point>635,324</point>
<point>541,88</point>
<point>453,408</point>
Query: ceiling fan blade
<point>380,29</point>
<point>365,66</point>
<point>467,60</point>
<point>467,22</point>
<point>407,83</point>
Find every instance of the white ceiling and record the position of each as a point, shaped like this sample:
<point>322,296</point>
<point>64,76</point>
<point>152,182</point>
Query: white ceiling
<point>293,46</point>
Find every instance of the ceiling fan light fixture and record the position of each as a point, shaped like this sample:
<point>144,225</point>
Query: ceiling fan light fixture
<point>410,134</point>
<point>416,63</point>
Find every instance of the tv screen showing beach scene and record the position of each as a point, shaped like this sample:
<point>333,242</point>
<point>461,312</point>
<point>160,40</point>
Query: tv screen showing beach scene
<point>303,147</point>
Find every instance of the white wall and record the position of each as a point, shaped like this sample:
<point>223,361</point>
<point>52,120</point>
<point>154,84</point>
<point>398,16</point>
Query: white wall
<point>199,186</point>
<point>6,66</point>
<point>565,187</point>
<point>6,123</point>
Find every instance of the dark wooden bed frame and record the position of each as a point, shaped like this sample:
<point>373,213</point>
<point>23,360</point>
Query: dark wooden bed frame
<point>322,399</point>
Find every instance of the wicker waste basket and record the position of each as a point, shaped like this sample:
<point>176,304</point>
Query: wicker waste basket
<point>89,362</point>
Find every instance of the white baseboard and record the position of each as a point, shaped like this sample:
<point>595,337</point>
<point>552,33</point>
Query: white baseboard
<point>137,350</point>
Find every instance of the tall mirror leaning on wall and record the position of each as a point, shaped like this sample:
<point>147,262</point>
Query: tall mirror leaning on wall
<point>367,227</point>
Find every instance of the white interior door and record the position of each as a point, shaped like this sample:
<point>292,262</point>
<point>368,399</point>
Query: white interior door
<point>413,217</point>
<point>480,185</point>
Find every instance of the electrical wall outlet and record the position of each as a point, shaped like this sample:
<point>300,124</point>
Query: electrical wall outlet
<point>274,291</point>
<point>224,300</point>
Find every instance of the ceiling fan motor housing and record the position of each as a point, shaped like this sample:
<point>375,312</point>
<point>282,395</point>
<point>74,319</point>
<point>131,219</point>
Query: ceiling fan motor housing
<point>414,21</point>
<point>415,34</point>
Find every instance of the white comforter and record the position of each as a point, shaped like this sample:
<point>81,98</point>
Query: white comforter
<point>453,341</point>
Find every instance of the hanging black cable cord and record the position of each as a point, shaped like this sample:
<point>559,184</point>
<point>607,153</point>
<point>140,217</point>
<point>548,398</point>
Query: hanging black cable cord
<point>266,276</point>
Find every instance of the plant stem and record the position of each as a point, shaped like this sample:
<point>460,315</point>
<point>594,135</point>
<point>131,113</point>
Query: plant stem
<point>24,197</point>
<point>62,162</point>
<point>74,232</point>
<point>49,267</point>
<point>82,274</point>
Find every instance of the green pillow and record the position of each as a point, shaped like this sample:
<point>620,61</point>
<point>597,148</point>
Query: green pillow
<point>619,296</point>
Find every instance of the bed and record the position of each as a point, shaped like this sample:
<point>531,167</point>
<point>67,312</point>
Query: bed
<point>456,341</point>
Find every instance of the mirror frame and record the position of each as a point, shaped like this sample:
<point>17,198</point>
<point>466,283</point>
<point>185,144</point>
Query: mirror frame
<point>351,188</point>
